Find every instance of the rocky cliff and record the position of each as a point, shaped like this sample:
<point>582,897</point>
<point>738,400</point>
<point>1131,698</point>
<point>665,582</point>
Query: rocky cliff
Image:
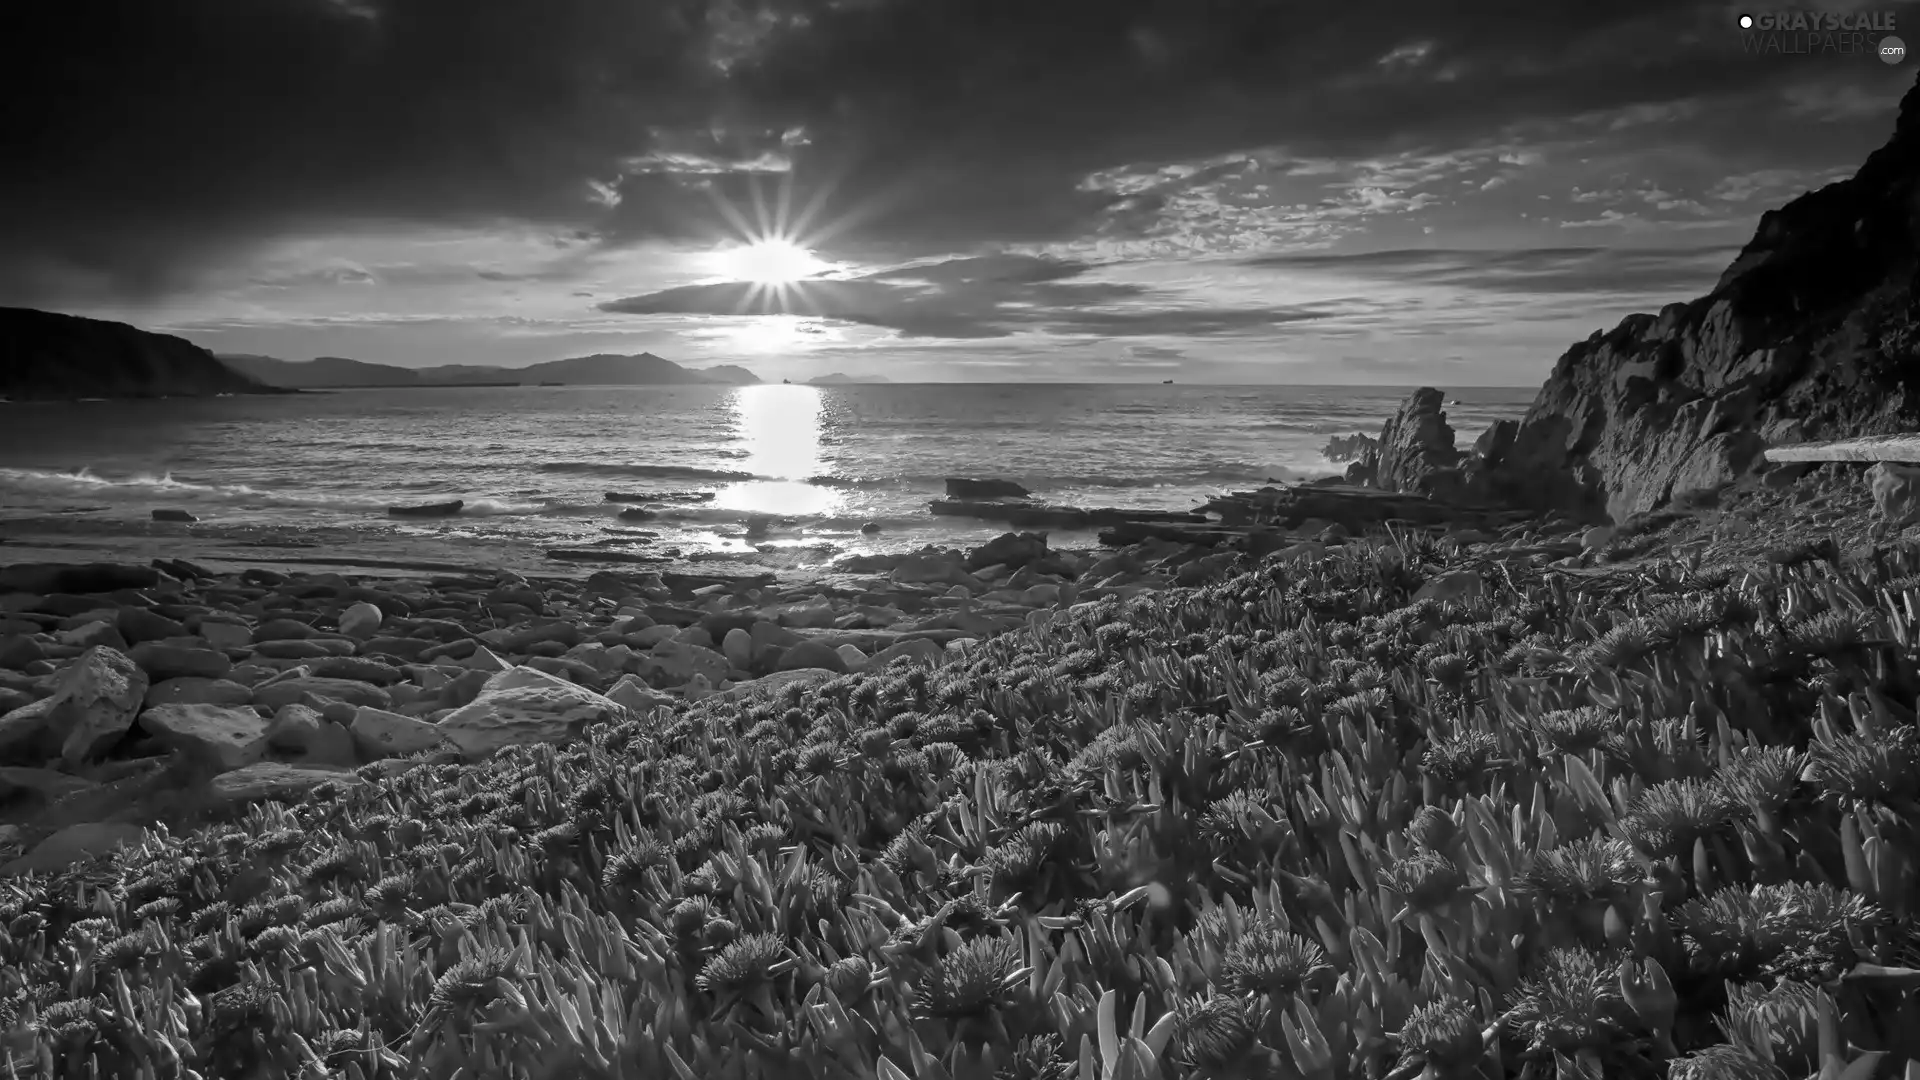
<point>1811,333</point>
<point>46,355</point>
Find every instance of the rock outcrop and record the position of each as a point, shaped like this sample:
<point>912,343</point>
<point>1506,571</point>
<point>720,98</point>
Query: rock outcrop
<point>45,355</point>
<point>1415,452</point>
<point>1812,333</point>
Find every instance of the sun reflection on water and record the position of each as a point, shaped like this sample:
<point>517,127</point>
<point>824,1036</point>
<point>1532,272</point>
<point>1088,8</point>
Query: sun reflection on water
<point>781,428</point>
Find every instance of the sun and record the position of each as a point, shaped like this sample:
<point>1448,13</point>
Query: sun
<point>770,261</point>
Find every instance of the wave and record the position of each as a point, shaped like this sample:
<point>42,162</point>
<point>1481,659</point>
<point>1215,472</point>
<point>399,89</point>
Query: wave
<point>84,482</point>
<point>602,468</point>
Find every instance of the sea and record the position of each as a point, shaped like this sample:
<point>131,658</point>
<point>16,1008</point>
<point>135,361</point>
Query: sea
<point>308,477</point>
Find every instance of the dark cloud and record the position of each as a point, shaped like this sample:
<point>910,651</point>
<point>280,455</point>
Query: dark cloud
<point>969,298</point>
<point>1539,271</point>
<point>150,138</point>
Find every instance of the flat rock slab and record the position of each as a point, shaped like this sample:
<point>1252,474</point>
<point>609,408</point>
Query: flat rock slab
<point>1904,448</point>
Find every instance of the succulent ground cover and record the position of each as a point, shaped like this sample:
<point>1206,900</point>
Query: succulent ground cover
<point>1642,820</point>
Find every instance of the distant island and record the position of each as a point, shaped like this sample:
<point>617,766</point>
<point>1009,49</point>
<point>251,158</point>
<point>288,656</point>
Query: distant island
<point>600,369</point>
<point>838,379</point>
<point>49,356</point>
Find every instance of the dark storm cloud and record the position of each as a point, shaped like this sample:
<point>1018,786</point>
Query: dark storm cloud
<point>148,139</point>
<point>971,298</point>
<point>1579,271</point>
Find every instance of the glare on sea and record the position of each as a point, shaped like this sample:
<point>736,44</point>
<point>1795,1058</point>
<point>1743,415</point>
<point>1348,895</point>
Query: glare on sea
<point>780,426</point>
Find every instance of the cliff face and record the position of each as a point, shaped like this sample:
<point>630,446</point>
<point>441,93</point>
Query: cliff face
<point>46,355</point>
<point>1812,333</point>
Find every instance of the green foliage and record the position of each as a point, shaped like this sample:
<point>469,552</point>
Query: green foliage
<point>1637,823</point>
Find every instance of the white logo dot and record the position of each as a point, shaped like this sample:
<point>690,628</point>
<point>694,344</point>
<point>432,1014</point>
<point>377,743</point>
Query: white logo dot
<point>1746,22</point>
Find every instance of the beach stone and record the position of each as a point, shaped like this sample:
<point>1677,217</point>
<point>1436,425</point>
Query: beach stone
<point>566,633</point>
<point>523,705</point>
<point>633,693</point>
<point>225,635</point>
<point>806,616</point>
<point>162,661</point>
<point>648,637</point>
<point>251,674</point>
<point>276,780</point>
<point>922,649</point>
<point>193,690</point>
<point>301,733</point>
<point>696,636</point>
<point>306,649</point>
<point>288,691</point>
<point>74,844</point>
<point>767,635</point>
<point>97,632</point>
<point>812,654</point>
<point>361,620</point>
<point>1039,595</point>
<point>19,650</point>
<point>675,662</point>
<point>378,734</point>
<point>223,737</point>
<point>357,668</point>
<point>282,630</point>
<point>852,657</point>
<point>738,648</point>
<point>138,624</point>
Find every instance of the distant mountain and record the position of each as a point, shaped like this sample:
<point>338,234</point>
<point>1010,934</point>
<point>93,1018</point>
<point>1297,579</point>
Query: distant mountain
<point>729,373</point>
<point>837,379</point>
<point>320,372</point>
<point>610,369</point>
<point>48,355</point>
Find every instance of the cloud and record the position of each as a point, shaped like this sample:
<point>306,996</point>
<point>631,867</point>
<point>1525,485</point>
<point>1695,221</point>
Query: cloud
<point>1563,271</point>
<point>161,138</point>
<point>973,298</point>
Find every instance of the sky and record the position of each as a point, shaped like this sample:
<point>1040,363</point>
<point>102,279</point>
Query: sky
<point>1389,192</point>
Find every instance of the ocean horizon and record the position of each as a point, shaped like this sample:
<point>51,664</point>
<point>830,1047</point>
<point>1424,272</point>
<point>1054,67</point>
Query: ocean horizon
<point>533,464</point>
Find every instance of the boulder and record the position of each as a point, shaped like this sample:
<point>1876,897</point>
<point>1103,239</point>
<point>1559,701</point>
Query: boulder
<point>1415,444</point>
<point>738,648</point>
<point>933,568</point>
<point>221,634</point>
<point>522,705</point>
<point>378,734</point>
<point>215,736</point>
<point>95,703</point>
<point>964,488</point>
